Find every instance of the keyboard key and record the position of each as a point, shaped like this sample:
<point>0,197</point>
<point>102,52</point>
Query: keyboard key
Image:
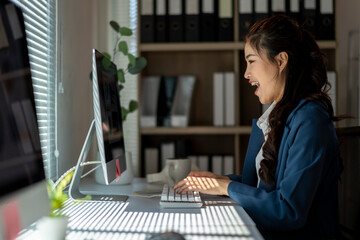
<point>171,195</point>
<point>171,199</point>
<point>184,196</point>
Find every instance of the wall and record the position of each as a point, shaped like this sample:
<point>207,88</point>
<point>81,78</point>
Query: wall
<point>347,19</point>
<point>83,27</point>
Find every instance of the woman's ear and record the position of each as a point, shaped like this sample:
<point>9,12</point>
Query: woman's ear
<point>282,60</point>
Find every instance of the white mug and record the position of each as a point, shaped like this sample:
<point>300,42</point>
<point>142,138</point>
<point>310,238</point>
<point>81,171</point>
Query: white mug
<point>178,169</point>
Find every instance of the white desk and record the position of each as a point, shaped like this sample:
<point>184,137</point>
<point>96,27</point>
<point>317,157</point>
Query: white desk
<point>141,216</point>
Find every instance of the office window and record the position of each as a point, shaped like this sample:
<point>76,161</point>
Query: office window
<point>40,24</point>
<point>125,13</point>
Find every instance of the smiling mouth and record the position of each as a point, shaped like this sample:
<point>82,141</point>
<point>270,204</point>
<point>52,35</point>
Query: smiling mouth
<point>255,84</point>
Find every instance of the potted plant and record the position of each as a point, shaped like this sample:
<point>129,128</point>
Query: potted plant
<point>135,64</point>
<point>53,227</point>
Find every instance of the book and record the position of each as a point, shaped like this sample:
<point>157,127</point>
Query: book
<point>216,164</point>
<point>167,151</point>
<point>228,164</point>
<point>165,100</point>
<point>151,160</point>
<point>229,98</point>
<point>218,98</point>
<point>203,162</point>
<point>180,109</point>
<point>149,101</point>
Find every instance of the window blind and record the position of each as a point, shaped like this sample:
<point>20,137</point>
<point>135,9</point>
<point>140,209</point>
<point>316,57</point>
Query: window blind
<point>125,13</point>
<point>40,26</point>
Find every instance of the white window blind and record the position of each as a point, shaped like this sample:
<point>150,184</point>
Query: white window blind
<point>40,25</point>
<point>125,13</point>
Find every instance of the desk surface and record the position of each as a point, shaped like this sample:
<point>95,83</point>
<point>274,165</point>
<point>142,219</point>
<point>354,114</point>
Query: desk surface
<point>142,216</point>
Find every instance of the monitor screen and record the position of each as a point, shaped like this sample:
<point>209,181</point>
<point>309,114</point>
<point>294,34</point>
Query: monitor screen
<point>22,176</point>
<point>108,120</point>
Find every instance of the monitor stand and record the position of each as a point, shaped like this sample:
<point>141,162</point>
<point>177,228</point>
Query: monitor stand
<point>74,191</point>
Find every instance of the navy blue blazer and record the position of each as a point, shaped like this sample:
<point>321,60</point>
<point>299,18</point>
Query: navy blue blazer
<point>303,202</point>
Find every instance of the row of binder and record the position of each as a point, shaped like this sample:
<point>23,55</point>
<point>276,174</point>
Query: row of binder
<point>155,159</point>
<point>317,16</point>
<point>166,101</point>
<point>213,20</point>
<point>186,20</point>
<point>218,164</point>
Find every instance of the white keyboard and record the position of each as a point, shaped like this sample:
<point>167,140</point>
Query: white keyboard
<point>171,199</point>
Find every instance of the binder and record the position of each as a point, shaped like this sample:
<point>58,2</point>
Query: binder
<point>165,100</point>
<point>203,162</point>
<point>225,21</point>
<point>218,98</point>
<point>229,86</point>
<point>181,149</point>
<point>278,7</point>
<point>207,21</point>
<point>216,164</point>
<point>151,160</point>
<point>161,21</point>
<point>261,10</point>
<point>332,92</point>
<point>194,162</point>
<point>309,15</point>
<point>192,21</point>
<point>246,17</point>
<point>167,151</point>
<point>147,21</point>
<point>180,109</point>
<point>149,98</point>
<point>176,25</point>
<point>228,164</point>
<point>293,9</point>
<point>326,27</point>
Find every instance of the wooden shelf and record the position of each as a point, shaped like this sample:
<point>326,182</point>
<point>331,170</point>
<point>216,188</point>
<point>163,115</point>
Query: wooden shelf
<point>243,130</point>
<point>212,46</point>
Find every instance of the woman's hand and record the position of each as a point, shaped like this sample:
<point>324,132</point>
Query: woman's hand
<point>204,182</point>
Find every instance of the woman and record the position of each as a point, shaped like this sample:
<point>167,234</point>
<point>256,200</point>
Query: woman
<point>292,166</point>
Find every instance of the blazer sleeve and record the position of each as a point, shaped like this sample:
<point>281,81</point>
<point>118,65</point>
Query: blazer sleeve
<point>307,144</point>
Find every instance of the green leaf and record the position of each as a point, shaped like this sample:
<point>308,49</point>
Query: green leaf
<point>124,31</point>
<point>124,113</point>
<point>121,76</point>
<point>121,87</point>
<point>115,26</point>
<point>123,47</point>
<point>91,76</point>
<point>133,105</point>
<point>132,60</point>
<point>140,63</point>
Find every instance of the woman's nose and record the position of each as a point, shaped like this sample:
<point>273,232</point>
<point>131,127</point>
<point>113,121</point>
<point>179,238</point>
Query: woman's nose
<point>247,74</point>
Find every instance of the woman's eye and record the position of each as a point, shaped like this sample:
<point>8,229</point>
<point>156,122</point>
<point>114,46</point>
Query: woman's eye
<point>251,61</point>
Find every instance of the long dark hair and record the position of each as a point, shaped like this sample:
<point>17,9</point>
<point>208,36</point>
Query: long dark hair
<point>306,78</point>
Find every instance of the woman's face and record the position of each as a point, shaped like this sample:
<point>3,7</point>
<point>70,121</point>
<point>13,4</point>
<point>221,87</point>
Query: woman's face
<point>265,75</point>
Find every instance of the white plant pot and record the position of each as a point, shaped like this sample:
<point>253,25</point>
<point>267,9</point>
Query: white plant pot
<point>52,228</point>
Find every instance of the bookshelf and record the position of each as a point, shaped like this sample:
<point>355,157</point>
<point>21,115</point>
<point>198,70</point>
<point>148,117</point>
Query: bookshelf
<point>202,59</point>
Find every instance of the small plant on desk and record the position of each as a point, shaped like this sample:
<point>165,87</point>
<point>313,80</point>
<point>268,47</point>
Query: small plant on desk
<point>54,226</point>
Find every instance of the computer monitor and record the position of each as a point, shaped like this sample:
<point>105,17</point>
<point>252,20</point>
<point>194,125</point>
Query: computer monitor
<point>23,194</point>
<point>107,125</point>
<point>108,120</point>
